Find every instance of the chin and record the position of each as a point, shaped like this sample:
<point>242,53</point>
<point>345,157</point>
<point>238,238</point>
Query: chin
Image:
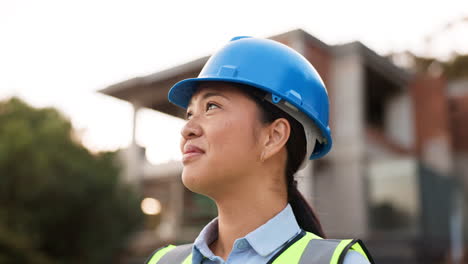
<point>195,181</point>
<point>202,181</point>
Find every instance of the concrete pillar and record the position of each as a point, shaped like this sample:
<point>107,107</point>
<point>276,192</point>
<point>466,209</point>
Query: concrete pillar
<point>133,157</point>
<point>340,193</point>
<point>170,227</point>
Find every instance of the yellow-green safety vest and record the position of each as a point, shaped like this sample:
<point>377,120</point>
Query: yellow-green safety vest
<point>305,248</point>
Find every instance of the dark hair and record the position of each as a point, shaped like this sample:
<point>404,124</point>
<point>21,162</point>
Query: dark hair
<point>296,149</point>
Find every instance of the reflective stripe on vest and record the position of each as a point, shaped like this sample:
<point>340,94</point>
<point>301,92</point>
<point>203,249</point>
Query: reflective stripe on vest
<point>306,248</point>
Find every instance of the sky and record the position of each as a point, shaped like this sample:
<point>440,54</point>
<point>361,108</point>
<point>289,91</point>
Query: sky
<point>60,53</point>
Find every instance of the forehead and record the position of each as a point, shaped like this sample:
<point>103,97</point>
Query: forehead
<point>218,88</point>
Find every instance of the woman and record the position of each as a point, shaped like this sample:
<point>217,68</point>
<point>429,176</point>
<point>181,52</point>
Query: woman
<point>255,114</point>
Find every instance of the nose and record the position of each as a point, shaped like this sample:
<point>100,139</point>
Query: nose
<point>191,130</point>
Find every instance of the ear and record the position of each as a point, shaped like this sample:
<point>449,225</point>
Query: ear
<point>277,137</point>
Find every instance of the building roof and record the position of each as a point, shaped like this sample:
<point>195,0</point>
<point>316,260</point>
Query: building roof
<point>151,91</point>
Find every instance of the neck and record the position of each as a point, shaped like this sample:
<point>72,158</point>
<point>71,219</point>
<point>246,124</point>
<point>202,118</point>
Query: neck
<point>253,206</point>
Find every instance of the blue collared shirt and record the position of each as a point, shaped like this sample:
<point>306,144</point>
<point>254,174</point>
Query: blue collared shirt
<point>258,246</point>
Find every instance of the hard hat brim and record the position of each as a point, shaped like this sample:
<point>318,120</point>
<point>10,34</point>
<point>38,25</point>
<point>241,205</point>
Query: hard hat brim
<point>181,93</point>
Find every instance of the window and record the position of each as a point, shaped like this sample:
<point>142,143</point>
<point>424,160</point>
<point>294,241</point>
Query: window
<point>393,195</point>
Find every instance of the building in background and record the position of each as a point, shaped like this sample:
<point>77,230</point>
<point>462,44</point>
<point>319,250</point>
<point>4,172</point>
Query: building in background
<point>395,176</point>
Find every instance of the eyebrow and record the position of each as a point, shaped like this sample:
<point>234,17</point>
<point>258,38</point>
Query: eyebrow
<point>209,94</point>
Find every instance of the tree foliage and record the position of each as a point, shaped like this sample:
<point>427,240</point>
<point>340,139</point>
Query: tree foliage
<point>58,202</point>
<point>454,68</point>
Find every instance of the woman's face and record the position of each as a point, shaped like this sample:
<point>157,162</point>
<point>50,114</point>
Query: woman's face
<point>220,139</point>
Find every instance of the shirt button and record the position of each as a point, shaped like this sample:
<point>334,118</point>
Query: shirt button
<point>242,244</point>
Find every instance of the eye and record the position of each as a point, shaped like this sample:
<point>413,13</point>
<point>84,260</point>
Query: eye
<point>188,115</point>
<point>210,106</point>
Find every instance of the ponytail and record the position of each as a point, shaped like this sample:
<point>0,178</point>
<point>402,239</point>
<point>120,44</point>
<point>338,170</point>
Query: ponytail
<point>296,148</point>
<point>305,215</point>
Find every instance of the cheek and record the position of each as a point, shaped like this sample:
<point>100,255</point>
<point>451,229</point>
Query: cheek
<point>232,143</point>
<point>231,153</point>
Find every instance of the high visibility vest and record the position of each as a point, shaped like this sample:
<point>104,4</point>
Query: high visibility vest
<point>305,248</point>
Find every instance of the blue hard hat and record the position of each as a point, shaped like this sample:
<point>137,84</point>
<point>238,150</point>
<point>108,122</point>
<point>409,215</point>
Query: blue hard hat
<point>274,68</point>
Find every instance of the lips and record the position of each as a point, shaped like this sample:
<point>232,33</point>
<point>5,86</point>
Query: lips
<point>192,149</point>
<point>191,152</point>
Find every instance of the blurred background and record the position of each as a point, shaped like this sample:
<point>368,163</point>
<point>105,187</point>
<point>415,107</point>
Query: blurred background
<point>89,160</point>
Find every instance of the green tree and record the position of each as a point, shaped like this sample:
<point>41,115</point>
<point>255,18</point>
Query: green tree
<point>59,203</point>
<point>454,68</point>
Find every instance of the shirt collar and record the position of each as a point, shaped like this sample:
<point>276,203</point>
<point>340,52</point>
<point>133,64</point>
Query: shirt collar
<point>264,240</point>
<point>276,232</point>
<point>208,234</point>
